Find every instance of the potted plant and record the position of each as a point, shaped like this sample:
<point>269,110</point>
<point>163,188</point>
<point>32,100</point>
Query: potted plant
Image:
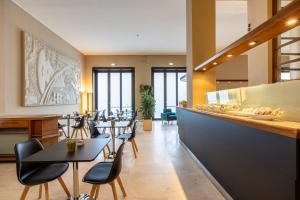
<point>147,106</point>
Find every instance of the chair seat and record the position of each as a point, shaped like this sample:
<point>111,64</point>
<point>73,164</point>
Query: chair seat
<point>172,117</point>
<point>99,173</point>
<point>125,136</point>
<point>61,125</point>
<point>46,173</point>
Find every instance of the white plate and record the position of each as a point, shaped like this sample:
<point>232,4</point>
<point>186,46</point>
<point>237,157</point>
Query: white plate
<point>264,117</point>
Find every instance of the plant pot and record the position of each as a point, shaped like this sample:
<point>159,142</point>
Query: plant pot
<point>147,124</point>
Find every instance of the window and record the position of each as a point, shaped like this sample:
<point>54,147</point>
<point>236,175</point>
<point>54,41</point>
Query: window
<point>169,88</point>
<point>114,89</point>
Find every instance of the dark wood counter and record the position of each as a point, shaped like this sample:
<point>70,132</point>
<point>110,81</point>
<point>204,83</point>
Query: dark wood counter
<point>251,159</point>
<point>16,128</point>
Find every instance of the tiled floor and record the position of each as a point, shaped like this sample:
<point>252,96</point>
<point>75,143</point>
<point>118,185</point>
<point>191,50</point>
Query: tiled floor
<point>162,171</point>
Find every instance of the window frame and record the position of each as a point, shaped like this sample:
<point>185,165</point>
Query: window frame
<point>165,70</point>
<point>109,70</point>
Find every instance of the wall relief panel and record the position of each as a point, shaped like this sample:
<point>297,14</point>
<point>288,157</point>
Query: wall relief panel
<point>51,78</point>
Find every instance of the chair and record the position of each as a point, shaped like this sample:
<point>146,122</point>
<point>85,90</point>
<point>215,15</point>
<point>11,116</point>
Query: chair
<point>131,138</point>
<point>168,115</point>
<point>30,174</point>
<point>79,126</point>
<point>106,172</point>
<point>61,129</point>
<point>96,116</point>
<point>96,134</point>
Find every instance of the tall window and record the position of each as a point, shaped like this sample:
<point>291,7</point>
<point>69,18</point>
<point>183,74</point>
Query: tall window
<point>169,88</point>
<point>114,89</point>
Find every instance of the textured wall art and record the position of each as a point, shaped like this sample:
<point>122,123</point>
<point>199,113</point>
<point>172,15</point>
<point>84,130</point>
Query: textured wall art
<point>50,77</point>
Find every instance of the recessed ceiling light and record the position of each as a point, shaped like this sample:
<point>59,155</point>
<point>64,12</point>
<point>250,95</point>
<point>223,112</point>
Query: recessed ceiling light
<point>171,64</point>
<point>204,69</point>
<point>215,63</point>
<point>252,43</point>
<point>229,55</point>
<point>292,21</point>
<point>113,64</point>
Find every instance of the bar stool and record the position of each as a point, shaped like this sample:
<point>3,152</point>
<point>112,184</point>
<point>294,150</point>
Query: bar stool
<point>79,127</point>
<point>106,172</point>
<point>37,174</point>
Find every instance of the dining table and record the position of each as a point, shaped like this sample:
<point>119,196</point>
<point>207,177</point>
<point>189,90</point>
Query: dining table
<point>119,125</point>
<point>58,153</point>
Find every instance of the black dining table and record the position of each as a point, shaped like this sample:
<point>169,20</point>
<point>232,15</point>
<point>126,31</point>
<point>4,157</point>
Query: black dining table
<point>58,153</point>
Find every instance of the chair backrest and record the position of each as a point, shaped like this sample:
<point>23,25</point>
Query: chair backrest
<point>93,130</point>
<point>103,116</point>
<point>166,110</point>
<point>117,164</point>
<point>81,122</point>
<point>96,116</point>
<point>133,130</point>
<point>23,150</point>
<point>76,114</point>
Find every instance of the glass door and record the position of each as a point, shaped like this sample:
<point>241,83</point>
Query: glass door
<point>114,89</point>
<point>169,88</point>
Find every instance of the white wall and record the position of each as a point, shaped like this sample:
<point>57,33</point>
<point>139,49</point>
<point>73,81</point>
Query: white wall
<point>17,20</point>
<point>258,58</point>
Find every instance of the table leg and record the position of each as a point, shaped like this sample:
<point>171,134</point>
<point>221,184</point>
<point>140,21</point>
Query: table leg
<point>76,195</point>
<point>113,141</point>
<point>75,180</point>
<point>68,124</point>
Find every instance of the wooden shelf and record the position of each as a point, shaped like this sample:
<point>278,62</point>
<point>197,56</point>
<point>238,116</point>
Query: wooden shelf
<point>273,27</point>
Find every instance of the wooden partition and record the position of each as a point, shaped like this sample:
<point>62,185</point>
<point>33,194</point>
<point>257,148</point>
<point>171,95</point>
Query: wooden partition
<point>14,129</point>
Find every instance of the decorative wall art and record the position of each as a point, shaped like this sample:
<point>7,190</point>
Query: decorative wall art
<point>50,77</point>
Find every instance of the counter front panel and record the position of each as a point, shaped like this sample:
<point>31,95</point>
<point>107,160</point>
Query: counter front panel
<point>249,163</point>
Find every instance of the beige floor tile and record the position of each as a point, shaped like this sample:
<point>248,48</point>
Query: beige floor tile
<point>162,171</point>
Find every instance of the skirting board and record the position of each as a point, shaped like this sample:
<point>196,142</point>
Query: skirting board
<point>207,173</point>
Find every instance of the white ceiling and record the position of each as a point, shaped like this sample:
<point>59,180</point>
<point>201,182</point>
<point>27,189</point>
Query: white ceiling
<point>123,27</point>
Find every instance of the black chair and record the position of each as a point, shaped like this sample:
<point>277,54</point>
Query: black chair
<point>96,134</point>
<point>79,127</point>
<point>61,129</point>
<point>76,116</point>
<point>131,138</point>
<point>106,172</point>
<point>30,174</point>
<point>96,116</point>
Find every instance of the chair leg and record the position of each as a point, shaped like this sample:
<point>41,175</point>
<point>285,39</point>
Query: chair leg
<point>81,134</point>
<point>97,192</point>
<point>136,148</point>
<point>62,183</point>
<point>85,132</point>
<point>93,191</point>
<point>133,148</point>
<point>24,193</point>
<point>40,191</point>
<point>113,187</point>
<point>121,186</point>
<point>73,133</point>
<point>46,191</point>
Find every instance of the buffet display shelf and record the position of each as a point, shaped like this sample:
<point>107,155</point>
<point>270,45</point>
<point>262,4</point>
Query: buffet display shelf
<point>284,128</point>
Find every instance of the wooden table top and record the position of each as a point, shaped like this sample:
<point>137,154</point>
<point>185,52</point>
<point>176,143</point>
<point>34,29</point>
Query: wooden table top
<point>284,128</point>
<point>28,117</point>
